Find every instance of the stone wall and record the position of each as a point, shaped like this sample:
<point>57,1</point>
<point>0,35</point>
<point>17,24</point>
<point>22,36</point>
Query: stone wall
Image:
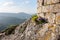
<point>50,9</point>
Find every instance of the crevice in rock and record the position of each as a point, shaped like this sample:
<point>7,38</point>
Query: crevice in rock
<point>58,37</point>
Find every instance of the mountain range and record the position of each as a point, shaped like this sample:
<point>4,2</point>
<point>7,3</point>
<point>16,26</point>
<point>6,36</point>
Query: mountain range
<point>20,15</point>
<point>7,19</point>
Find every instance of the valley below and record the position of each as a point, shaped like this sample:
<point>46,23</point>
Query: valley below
<point>8,19</point>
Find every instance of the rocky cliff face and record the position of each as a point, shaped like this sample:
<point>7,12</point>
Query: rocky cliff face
<point>31,31</point>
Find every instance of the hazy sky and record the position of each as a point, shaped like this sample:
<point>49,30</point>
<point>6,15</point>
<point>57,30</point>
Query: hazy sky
<point>28,6</point>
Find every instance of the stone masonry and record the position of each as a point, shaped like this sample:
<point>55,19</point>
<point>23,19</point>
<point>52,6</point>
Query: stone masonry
<point>50,9</point>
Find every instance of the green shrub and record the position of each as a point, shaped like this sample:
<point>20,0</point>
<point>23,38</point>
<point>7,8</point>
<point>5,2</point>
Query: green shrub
<point>34,17</point>
<point>38,20</point>
<point>41,21</point>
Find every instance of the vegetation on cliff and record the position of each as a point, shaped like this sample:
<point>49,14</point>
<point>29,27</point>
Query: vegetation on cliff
<point>38,20</point>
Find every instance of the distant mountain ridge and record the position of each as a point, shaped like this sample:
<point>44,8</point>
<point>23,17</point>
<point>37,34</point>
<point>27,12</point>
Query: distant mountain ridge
<point>7,21</point>
<point>20,15</point>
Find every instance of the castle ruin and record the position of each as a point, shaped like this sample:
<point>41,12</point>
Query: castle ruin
<point>50,9</point>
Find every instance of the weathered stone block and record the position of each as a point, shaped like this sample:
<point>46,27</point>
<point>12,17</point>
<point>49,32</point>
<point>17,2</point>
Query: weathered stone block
<point>56,8</point>
<point>52,1</point>
<point>51,8</point>
<point>50,33</point>
<point>49,1</point>
<point>58,18</point>
<point>50,27</point>
<point>39,9</point>
<point>48,8</point>
<point>45,2</point>
<point>40,2</point>
<point>58,29</point>
<point>50,17</point>
<point>41,14</point>
<point>55,1</point>
<point>45,8</point>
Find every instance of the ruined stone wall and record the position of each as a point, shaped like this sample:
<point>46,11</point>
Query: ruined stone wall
<point>50,9</point>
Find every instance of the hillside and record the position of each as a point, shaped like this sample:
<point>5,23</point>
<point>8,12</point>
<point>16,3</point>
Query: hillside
<point>7,21</point>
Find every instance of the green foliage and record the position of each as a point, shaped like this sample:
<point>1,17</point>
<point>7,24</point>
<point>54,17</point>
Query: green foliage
<point>10,30</point>
<point>41,21</point>
<point>38,20</point>
<point>34,17</point>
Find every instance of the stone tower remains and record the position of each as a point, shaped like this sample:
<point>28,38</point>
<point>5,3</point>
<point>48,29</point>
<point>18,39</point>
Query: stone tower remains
<point>50,9</point>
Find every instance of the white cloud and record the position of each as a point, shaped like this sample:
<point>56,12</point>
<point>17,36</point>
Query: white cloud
<point>10,6</point>
<point>15,9</point>
<point>7,3</point>
<point>10,9</point>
